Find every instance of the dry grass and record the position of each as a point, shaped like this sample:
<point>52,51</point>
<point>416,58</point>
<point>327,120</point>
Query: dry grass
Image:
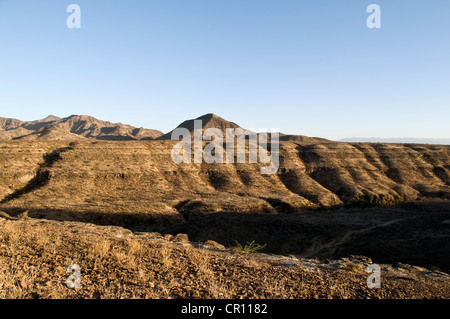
<point>106,180</point>
<point>99,250</point>
<point>136,184</point>
<point>352,267</point>
<point>166,260</point>
<point>35,254</point>
<point>15,281</point>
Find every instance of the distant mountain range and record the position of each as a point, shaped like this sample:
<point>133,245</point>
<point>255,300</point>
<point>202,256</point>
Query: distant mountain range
<point>81,127</point>
<point>74,127</point>
<point>401,140</point>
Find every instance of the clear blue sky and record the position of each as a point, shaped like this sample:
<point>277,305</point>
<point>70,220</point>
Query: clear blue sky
<point>305,67</point>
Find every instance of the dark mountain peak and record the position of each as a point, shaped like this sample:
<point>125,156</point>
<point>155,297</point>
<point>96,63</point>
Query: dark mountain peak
<point>209,117</point>
<point>209,120</point>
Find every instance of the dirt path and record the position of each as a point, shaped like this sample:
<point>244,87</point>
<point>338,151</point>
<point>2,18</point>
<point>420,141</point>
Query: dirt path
<point>330,249</point>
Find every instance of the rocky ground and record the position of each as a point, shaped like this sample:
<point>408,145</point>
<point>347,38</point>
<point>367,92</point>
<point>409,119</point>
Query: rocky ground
<point>328,200</point>
<point>117,263</point>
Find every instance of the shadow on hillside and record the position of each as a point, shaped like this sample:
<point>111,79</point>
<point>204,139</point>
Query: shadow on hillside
<point>415,233</point>
<point>42,176</point>
<point>127,220</point>
<point>412,234</point>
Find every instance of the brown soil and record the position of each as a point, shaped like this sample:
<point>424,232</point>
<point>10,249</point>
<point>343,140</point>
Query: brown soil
<point>116,263</point>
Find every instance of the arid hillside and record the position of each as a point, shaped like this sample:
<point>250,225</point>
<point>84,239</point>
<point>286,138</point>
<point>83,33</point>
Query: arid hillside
<point>328,200</point>
<point>138,181</point>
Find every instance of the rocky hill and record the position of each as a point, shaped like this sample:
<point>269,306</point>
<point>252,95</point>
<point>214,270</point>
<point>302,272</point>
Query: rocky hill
<point>211,120</point>
<point>208,121</point>
<point>327,200</point>
<point>74,127</point>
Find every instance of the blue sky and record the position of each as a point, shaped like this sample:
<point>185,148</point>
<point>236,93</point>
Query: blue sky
<point>305,67</point>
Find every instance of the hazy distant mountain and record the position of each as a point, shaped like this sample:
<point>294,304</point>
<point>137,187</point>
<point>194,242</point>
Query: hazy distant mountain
<point>440,141</point>
<point>302,139</point>
<point>74,127</point>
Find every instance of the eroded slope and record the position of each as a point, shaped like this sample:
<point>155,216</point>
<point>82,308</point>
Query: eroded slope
<point>137,182</point>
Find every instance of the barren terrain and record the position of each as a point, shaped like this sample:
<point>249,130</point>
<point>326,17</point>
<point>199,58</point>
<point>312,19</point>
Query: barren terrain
<point>328,201</point>
<point>116,263</point>
<point>101,181</point>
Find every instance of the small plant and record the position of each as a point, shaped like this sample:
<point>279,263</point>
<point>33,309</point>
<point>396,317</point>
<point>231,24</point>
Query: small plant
<point>250,247</point>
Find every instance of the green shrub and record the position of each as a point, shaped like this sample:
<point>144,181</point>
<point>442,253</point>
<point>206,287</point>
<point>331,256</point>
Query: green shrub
<point>250,247</point>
